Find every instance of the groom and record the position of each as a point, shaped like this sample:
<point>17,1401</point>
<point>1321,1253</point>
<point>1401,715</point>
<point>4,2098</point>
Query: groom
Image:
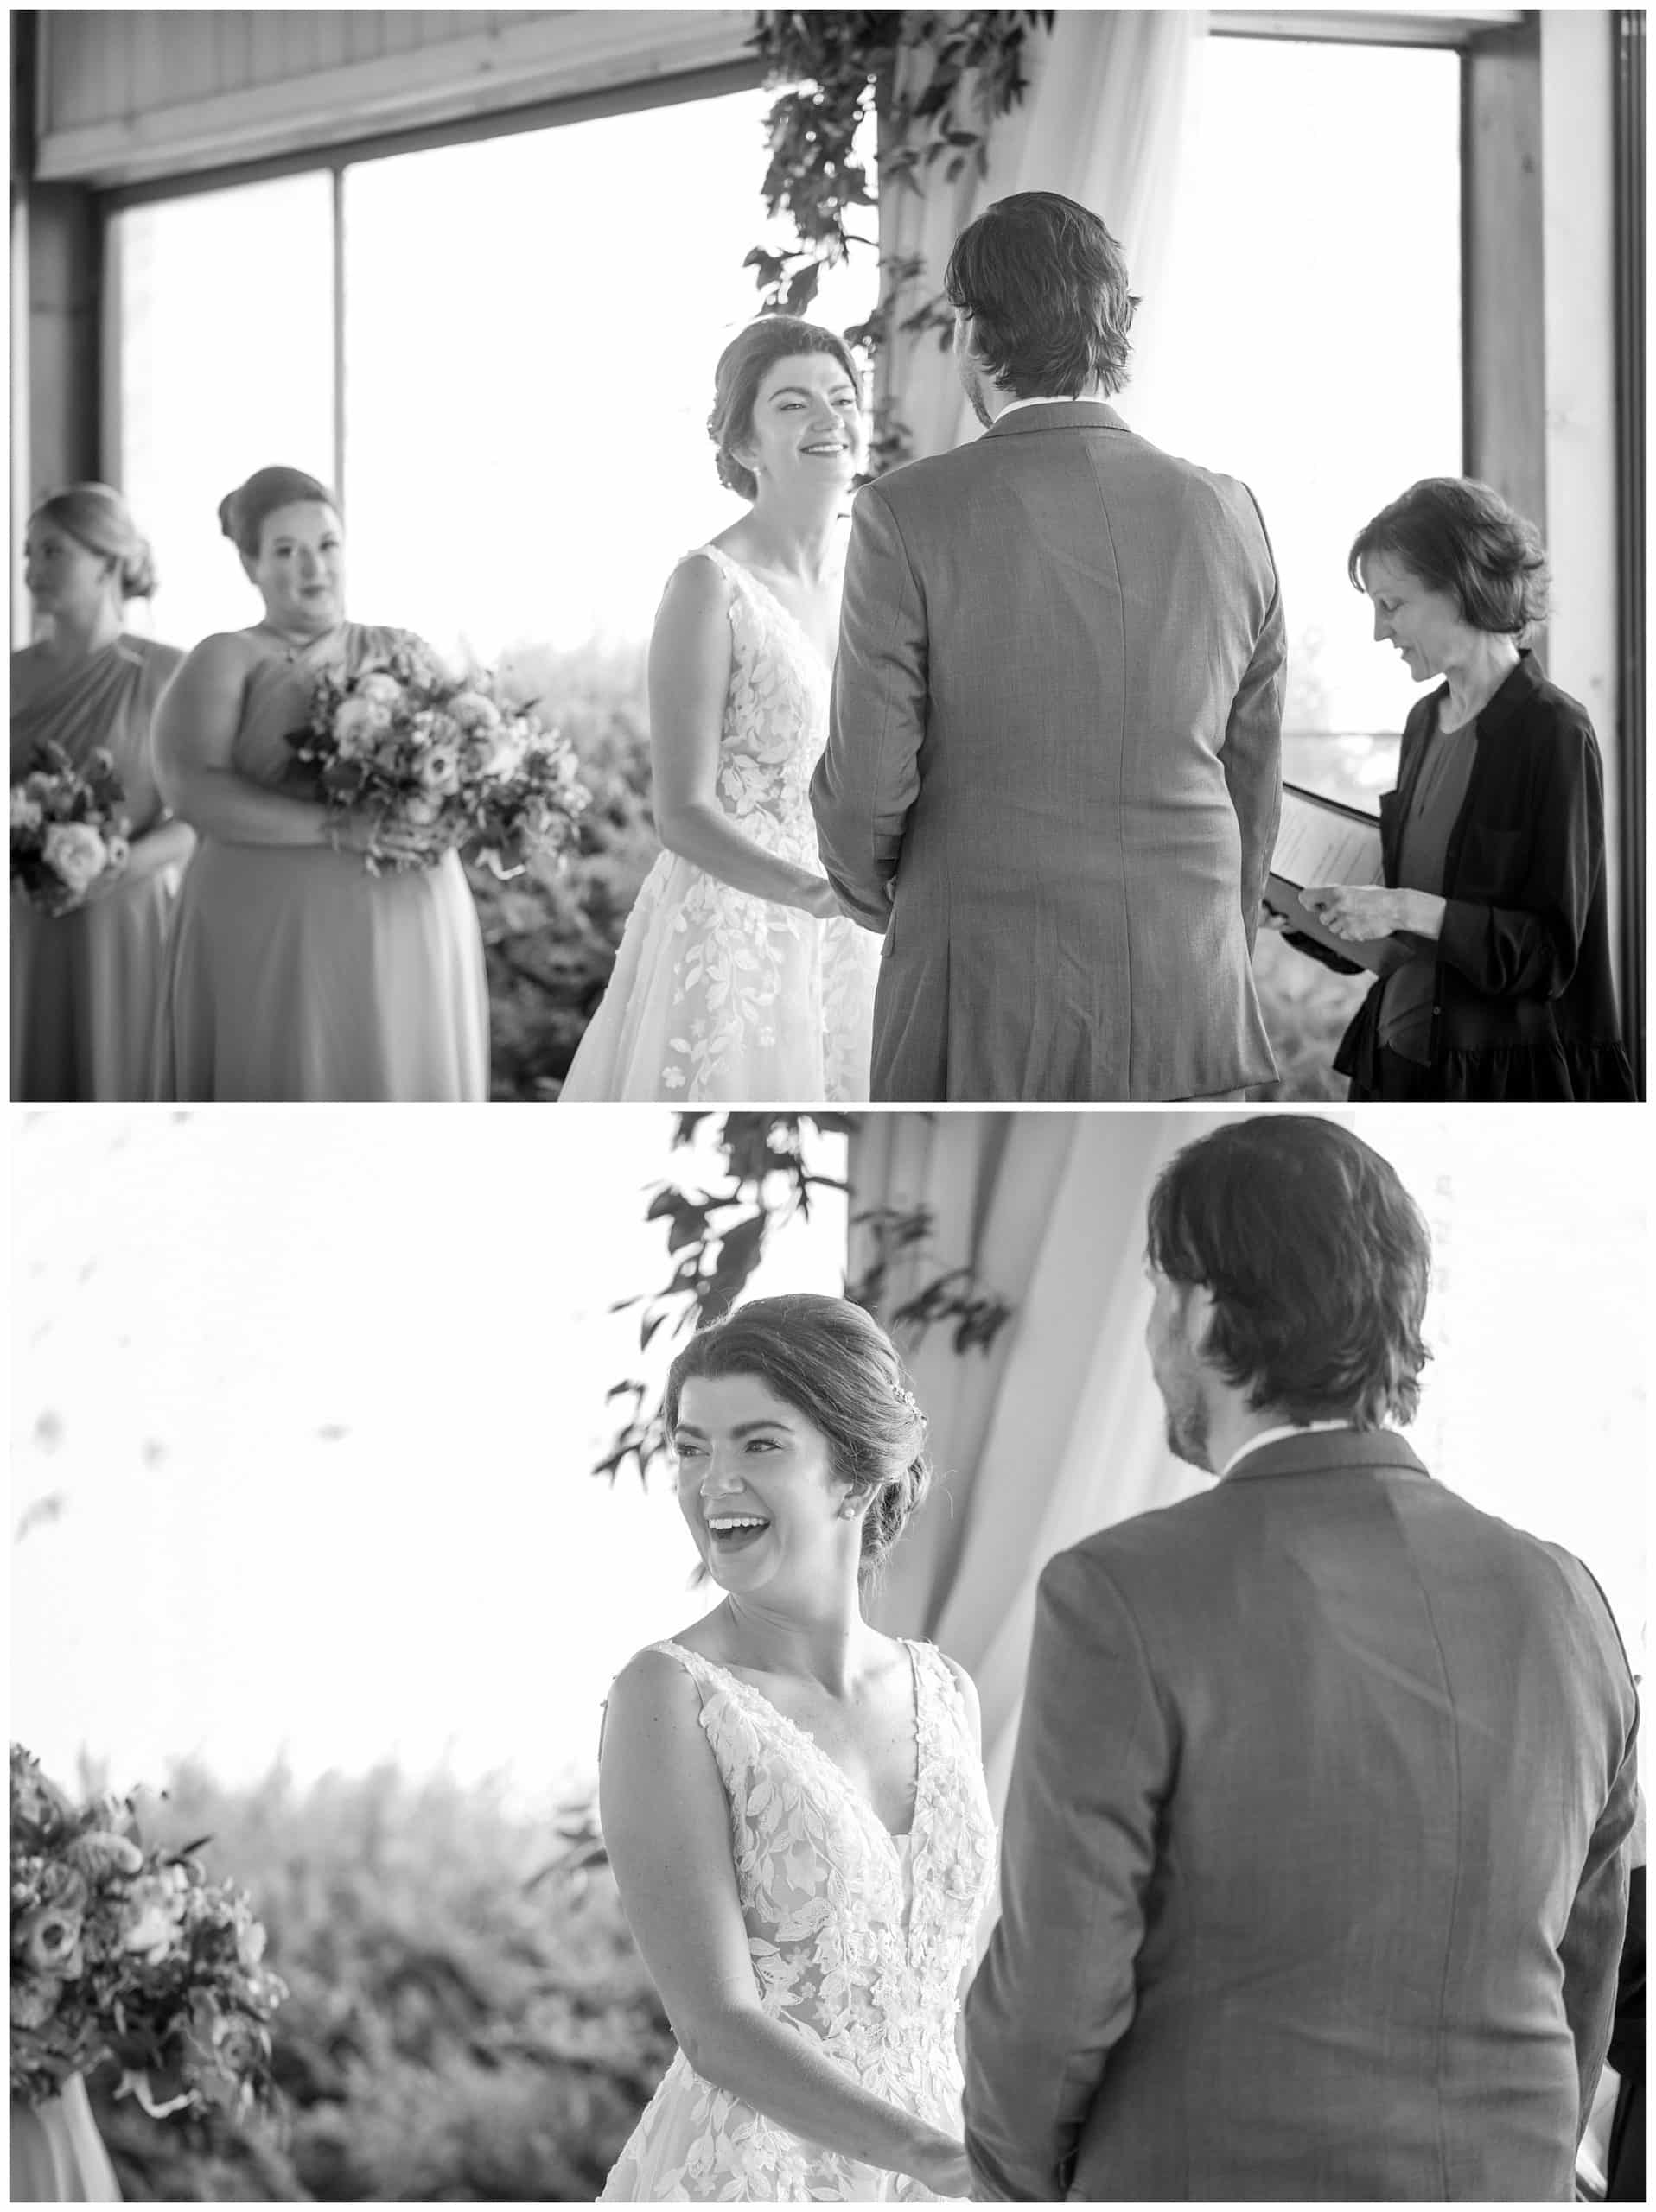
<point>1052,772</point>
<point>1314,1879</point>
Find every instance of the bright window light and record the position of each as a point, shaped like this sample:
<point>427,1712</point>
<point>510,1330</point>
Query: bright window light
<point>531,326</point>
<point>226,364</point>
<point>1310,343</point>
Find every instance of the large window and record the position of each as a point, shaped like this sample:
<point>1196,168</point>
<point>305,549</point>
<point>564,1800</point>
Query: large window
<point>531,324</point>
<point>225,363</point>
<point>1310,343</point>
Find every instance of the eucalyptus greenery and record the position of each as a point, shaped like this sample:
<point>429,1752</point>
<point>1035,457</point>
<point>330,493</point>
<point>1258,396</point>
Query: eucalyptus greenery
<point>716,1238</point>
<point>834,64</point>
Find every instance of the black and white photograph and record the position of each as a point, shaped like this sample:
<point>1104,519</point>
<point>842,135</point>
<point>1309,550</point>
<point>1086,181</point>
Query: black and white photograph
<point>691,557</point>
<point>1009,648</point>
<point>665,1658</point>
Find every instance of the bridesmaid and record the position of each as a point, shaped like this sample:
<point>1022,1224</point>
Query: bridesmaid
<point>293,973</point>
<point>85,985</point>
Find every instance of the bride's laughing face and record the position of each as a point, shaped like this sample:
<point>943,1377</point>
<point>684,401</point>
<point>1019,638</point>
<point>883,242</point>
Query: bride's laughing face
<point>757,1485</point>
<point>807,425</point>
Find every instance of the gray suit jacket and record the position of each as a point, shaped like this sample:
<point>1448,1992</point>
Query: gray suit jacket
<point>1314,1880</point>
<point>1053,769</point>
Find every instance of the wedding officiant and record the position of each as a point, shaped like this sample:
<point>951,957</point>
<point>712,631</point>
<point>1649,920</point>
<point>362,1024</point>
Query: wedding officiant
<point>1493,838</point>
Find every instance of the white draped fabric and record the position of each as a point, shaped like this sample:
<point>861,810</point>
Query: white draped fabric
<point>1102,120</point>
<point>1057,1430</point>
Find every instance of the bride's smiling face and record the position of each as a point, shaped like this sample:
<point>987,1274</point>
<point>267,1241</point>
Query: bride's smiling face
<point>757,1484</point>
<point>807,424</point>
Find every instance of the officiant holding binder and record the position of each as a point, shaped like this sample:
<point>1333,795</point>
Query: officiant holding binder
<point>1497,981</point>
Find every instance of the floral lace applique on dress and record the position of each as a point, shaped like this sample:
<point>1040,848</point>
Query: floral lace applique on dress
<point>718,995</point>
<point>858,1940</point>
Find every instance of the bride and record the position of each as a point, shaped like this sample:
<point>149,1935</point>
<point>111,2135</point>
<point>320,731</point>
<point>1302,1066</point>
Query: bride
<point>738,976</point>
<point>794,1804</point>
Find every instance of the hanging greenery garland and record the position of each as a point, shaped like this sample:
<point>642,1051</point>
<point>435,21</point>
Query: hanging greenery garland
<point>716,1240</point>
<point>835,65</point>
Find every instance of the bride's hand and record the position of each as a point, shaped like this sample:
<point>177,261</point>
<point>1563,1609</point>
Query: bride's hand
<point>944,2168</point>
<point>821,901</point>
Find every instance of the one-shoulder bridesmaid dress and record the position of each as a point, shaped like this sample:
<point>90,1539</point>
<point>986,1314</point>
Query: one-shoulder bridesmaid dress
<point>86,985</point>
<point>294,973</point>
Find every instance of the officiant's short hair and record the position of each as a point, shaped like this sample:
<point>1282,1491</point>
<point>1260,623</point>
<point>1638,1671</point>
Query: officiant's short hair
<point>1317,1259</point>
<point>1046,286</point>
<point>1461,538</point>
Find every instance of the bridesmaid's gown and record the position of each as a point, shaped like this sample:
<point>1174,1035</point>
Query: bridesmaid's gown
<point>294,973</point>
<point>86,986</point>
<point>57,2154</point>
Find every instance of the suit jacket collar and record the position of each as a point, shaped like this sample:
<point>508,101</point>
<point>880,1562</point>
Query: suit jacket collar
<point>1058,415</point>
<point>1326,1450</point>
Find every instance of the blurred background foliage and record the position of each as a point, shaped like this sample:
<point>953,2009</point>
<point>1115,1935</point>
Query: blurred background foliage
<point>469,2022</point>
<point>550,940</point>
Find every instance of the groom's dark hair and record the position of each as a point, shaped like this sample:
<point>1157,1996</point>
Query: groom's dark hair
<point>1317,1259</point>
<point>1046,286</point>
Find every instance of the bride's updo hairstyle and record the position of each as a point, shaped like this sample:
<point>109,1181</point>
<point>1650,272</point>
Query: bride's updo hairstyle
<point>834,1364</point>
<point>242,512</point>
<point>743,366</point>
<point>97,517</point>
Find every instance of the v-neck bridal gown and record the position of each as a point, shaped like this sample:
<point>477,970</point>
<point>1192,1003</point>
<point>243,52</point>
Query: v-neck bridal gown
<point>718,995</point>
<point>858,1939</point>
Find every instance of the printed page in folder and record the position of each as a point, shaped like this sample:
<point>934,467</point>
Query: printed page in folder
<point>1321,842</point>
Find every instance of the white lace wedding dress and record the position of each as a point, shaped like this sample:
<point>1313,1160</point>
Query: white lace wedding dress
<point>859,1939</point>
<point>715,994</point>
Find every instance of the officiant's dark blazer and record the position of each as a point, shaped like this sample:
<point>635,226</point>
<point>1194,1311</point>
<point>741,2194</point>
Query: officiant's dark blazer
<point>1524,1001</point>
<point>1052,772</point>
<point>1314,1877</point>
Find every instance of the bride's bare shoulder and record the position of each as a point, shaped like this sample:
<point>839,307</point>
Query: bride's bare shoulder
<point>656,1666</point>
<point>700,578</point>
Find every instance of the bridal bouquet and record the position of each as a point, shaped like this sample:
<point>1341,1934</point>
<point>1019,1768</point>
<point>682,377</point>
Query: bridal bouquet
<point>131,1955</point>
<point>404,744</point>
<point>68,831</point>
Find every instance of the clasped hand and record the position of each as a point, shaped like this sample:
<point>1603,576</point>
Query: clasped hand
<point>388,838</point>
<point>1359,911</point>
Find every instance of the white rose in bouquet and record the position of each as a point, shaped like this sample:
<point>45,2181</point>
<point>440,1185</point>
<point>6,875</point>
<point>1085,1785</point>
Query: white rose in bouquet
<point>505,754</point>
<point>26,812</point>
<point>422,810</point>
<point>76,854</point>
<point>472,711</point>
<point>379,689</point>
<point>156,1902</point>
<point>357,724</point>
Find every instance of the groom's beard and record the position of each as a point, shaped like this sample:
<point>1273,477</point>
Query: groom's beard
<point>1188,1427</point>
<point>972,384</point>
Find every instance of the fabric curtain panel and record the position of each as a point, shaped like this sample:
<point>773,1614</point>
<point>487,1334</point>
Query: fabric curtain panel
<point>1058,1428</point>
<point>1104,120</point>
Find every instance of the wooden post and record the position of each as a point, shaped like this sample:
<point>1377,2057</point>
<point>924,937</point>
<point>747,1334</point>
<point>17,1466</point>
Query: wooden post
<point>1629,103</point>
